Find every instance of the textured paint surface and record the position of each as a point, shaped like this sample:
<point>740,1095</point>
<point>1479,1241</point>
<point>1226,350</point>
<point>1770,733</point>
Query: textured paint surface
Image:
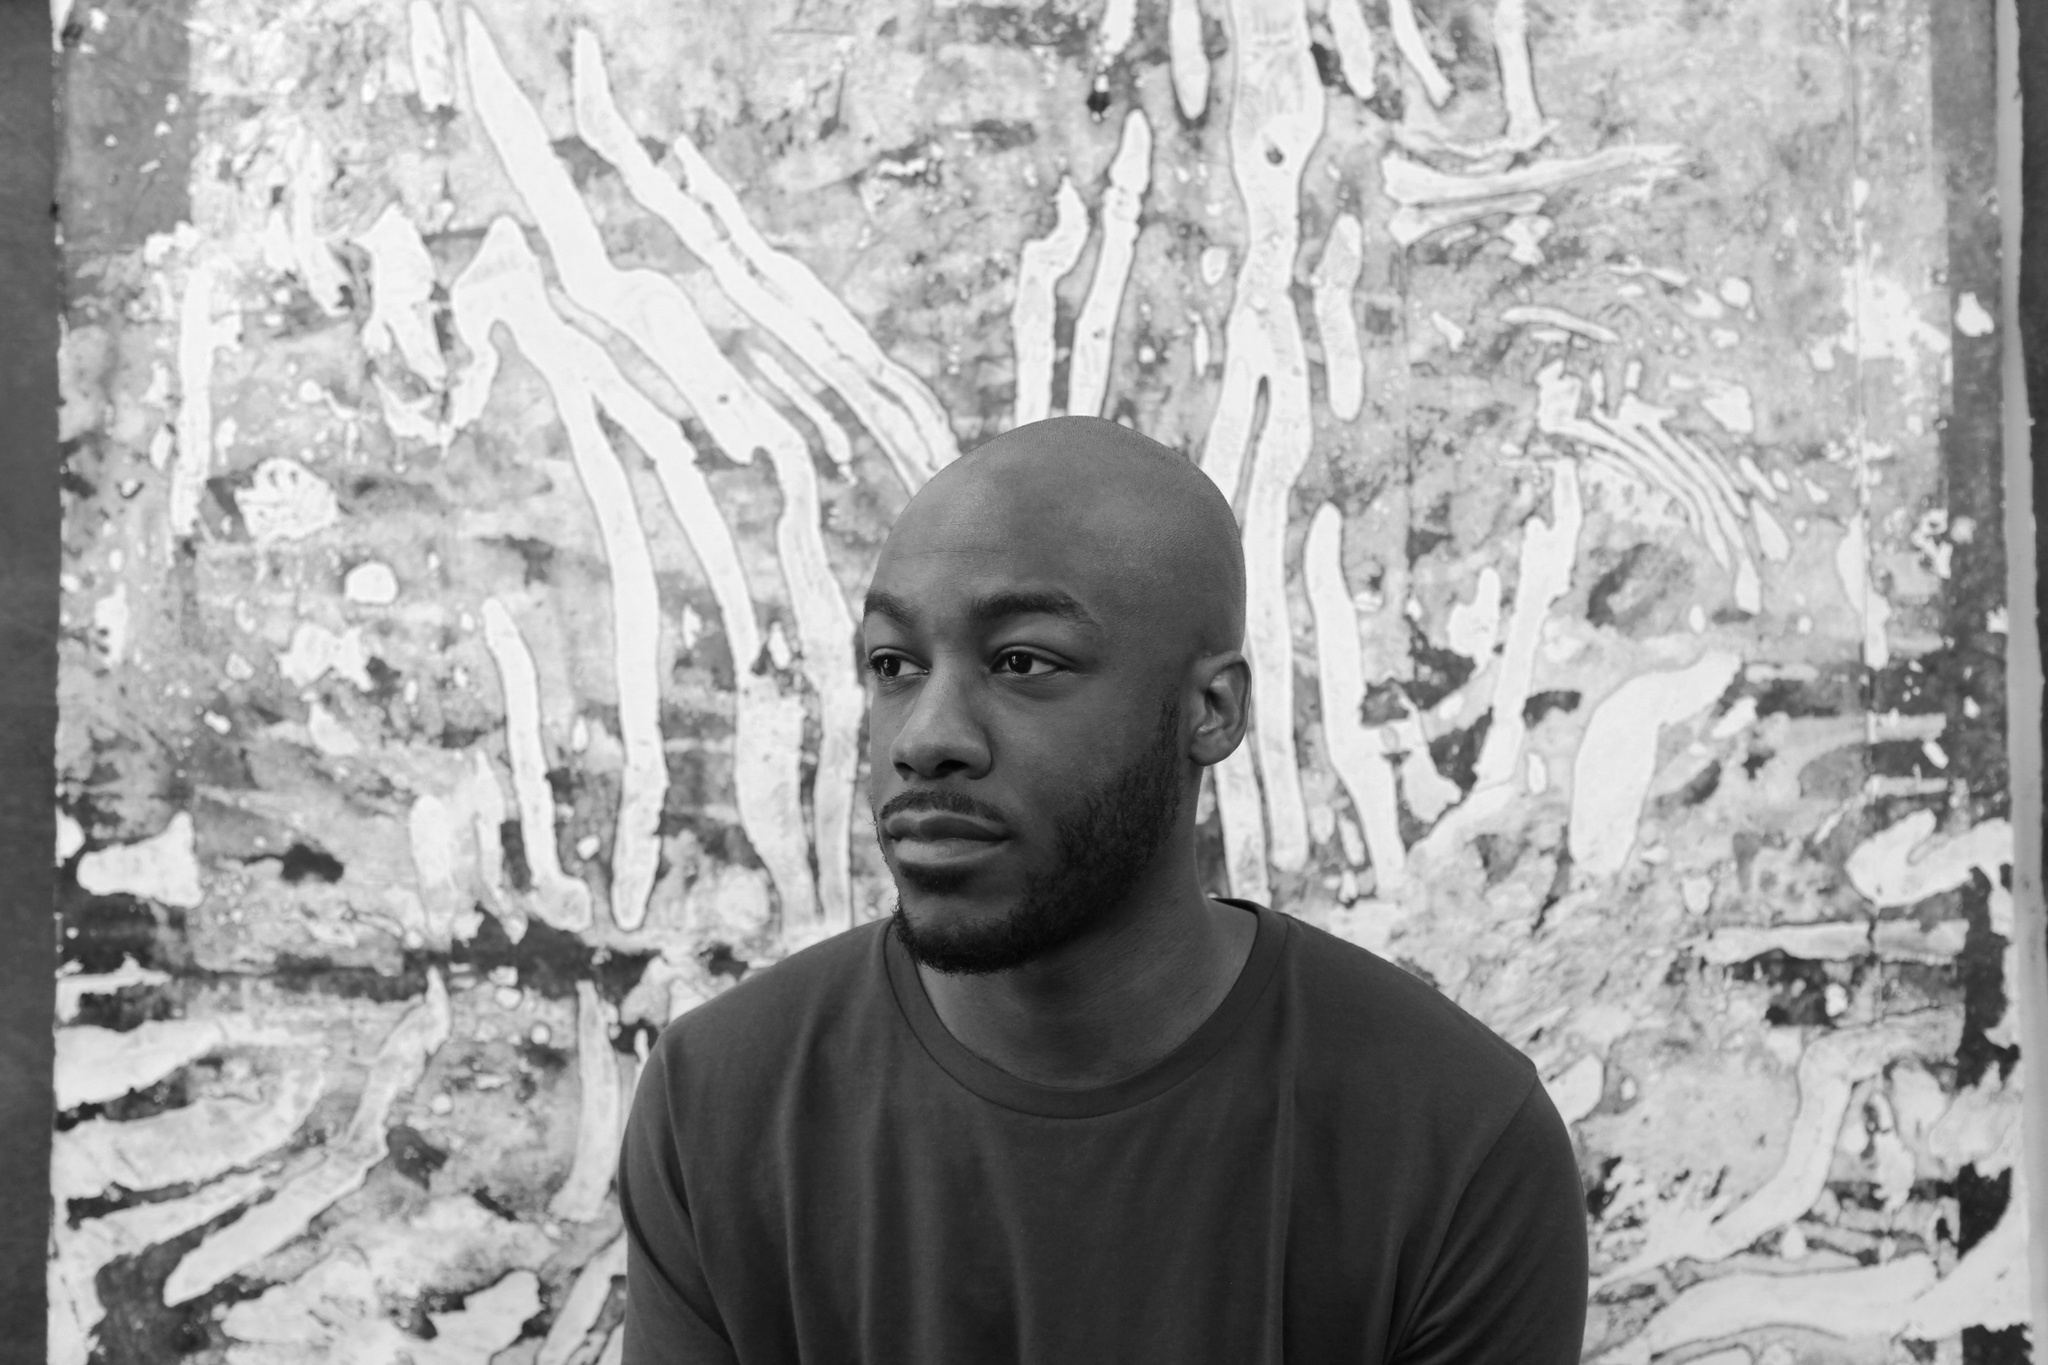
<point>481,420</point>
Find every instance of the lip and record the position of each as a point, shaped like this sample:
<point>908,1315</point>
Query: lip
<point>935,839</point>
<point>940,827</point>
<point>948,853</point>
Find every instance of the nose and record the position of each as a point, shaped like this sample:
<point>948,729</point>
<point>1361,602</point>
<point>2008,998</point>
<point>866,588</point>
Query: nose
<point>939,735</point>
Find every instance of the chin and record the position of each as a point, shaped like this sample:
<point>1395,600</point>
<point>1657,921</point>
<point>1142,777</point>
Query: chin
<point>948,909</point>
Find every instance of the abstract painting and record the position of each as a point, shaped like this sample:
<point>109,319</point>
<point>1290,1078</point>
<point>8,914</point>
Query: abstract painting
<point>481,418</point>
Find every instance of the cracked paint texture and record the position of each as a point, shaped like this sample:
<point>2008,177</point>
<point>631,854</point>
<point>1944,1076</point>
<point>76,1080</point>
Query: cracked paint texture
<point>480,421</point>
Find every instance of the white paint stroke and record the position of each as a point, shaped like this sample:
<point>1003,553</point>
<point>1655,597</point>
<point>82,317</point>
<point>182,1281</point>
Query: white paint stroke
<point>1617,755</point>
<point>433,71</point>
<point>1243,826</point>
<point>396,1069</point>
<point>1410,182</point>
<point>1113,32</point>
<point>838,449</point>
<point>577,1313</point>
<point>329,734</point>
<point>1336,275</point>
<point>415,419</point>
<point>370,584</point>
<point>1430,199</point>
<point>826,630</point>
<point>1357,51</point>
<point>94,1064</point>
<point>286,501</point>
<point>1276,118</point>
<point>777,290</point>
<point>1852,571</point>
<point>1186,56</point>
<point>312,175</point>
<point>765,780</point>
<point>770,811</point>
<point>1472,628</point>
<point>198,337</point>
<point>1525,125</point>
<point>582,1194</point>
<point>1576,1090</point>
<point>186,1145</point>
<point>162,868</point>
<point>1731,406</point>
<point>314,650</point>
<point>1722,505</point>
<point>401,295</point>
<point>560,899</point>
<point>1904,863</point>
<point>479,793</point>
<point>1635,440</point>
<point>1549,550</point>
<point>1971,318</point>
<point>1411,224</point>
<point>72,989</point>
<point>1040,266</point>
<point>653,312</point>
<point>1987,1287</point>
<point>431,837</point>
<point>1885,321</point>
<point>335,1314</point>
<point>1770,536</point>
<point>1829,1070</point>
<point>1414,50</point>
<point>1356,751</point>
<point>110,619</point>
<point>1130,173</point>
<point>1842,1303</point>
<point>1542,315</point>
<point>1834,941</point>
<point>70,838</point>
<point>78,1254</point>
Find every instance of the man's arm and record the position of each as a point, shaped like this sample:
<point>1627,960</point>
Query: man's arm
<point>670,1319</point>
<point>1509,1284</point>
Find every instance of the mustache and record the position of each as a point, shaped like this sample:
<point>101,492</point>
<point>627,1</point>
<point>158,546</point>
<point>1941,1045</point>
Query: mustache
<point>939,799</point>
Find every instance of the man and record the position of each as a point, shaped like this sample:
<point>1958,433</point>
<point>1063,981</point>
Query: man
<point>1063,1107</point>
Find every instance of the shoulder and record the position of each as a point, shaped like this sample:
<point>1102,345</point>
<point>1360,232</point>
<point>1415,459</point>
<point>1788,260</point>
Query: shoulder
<point>771,1011</point>
<point>1365,1020</point>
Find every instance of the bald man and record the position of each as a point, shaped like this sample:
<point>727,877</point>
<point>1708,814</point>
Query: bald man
<point>1063,1107</point>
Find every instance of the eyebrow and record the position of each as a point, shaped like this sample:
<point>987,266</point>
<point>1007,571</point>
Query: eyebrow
<point>991,606</point>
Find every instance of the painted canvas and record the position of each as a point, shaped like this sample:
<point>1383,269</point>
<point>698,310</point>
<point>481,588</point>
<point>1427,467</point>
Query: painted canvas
<point>481,418</point>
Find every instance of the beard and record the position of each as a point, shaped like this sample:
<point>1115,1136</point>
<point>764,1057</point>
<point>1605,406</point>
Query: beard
<point>1103,843</point>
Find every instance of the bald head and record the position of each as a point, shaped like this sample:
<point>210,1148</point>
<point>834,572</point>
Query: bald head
<point>1130,524</point>
<point>1053,636</point>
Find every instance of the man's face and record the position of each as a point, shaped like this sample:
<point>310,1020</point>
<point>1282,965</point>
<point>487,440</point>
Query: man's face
<point>1024,744</point>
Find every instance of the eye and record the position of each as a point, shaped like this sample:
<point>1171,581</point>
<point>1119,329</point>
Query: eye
<point>1020,663</point>
<point>888,667</point>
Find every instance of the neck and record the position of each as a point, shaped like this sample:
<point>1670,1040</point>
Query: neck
<point>1111,1003</point>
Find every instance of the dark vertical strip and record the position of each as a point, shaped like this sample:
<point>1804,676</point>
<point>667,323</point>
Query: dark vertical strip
<point>2025,62</point>
<point>29,303</point>
<point>1972,430</point>
<point>2033,70</point>
<point>1973,468</point>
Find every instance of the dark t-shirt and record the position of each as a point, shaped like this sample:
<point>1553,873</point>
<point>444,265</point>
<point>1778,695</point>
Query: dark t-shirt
<point>1339,1165</point>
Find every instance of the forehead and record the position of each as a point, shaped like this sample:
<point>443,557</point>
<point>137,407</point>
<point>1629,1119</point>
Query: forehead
<point>958,545</point>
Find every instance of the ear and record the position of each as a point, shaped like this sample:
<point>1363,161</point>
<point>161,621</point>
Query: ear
<point>1223,706</point>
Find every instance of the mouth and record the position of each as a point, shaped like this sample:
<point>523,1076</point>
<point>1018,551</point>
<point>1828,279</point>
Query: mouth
<point>941,839</point>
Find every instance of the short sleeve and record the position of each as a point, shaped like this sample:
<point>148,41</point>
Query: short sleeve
<point>670,1318</point>
<point>1509,1283</point>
